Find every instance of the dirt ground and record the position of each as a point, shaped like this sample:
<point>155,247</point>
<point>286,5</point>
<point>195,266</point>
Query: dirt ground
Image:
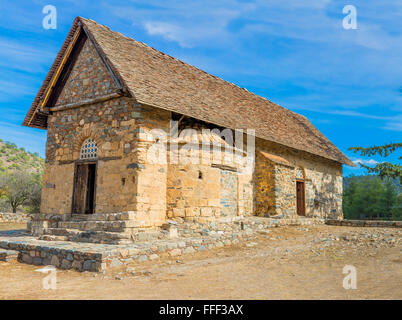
<point>285,263</point>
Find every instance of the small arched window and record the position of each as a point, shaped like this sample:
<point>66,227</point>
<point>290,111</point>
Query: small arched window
<point>300,173</point>
<point>89,149</point>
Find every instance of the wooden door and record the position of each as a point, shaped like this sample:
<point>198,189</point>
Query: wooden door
<point>84,189</point>
<point>80,188</point>
<point>301,198</point>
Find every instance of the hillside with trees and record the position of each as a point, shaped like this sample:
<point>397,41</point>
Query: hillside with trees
<point>20,178</point>
<point>12,157</point>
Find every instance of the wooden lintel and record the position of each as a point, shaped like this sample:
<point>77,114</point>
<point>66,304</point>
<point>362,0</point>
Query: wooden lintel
<point>62,162</point>
<point>86,102</point>
<point>224,167</point>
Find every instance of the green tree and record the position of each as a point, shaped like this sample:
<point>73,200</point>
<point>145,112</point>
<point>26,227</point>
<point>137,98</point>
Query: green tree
<point>35,195</point>
<point>389,199</point>
<point>19,187</point>
<point>348,199</point>
<point>383,169</point>
<point>396,211</point>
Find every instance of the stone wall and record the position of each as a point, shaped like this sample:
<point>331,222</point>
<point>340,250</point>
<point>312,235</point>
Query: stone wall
<point>264,186</point>
<point>151,185</point>
<point>228,193</point>
<point>322,178</point>
<point>125,180</point>
<point>365,223</point>
<point>193,191</point>
<point>284,191</point>
<point>14,217</point>
<point>206,182</point>
<point>120,127</point>
<point>88,79</point>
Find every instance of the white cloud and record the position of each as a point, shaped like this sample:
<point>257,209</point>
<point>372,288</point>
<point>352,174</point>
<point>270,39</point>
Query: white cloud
<point>184,37</point>
<point>352,113</point>
<point>366,162</point>
<point>394,125</point>
<point>190,24</point>
<point>168,31</point>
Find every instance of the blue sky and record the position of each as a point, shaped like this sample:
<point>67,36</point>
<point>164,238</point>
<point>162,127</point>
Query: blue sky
<point>293,52</point>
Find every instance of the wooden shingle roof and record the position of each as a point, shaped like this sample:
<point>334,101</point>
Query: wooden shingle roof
<point>159,80</point>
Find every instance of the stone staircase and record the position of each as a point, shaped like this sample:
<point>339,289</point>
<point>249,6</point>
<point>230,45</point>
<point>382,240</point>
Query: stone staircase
<point>100,228</point>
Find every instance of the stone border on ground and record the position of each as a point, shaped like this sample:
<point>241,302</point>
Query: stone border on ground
<point>14,217</point>
<point>365,223</point>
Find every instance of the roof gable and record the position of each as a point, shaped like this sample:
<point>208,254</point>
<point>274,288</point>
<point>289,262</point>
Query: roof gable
<point>60,73</point>
<point>78,86</point>
<point>162,81</point>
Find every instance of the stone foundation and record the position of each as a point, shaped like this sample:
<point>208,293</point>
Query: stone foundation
<point>188,237</point>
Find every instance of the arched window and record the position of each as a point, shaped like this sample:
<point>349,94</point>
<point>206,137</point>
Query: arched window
<point>300,174</point>
<point>89,149</point>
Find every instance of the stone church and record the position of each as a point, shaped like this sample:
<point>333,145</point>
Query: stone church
<point>107,99</point>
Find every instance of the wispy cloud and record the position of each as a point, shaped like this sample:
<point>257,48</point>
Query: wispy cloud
<point>9,89</point>
<point>351,113</point>
<point>366,162</point>
<point>168,31</point>
<point>23,57</point>
<point>394,125</point>
<point>189,24</point>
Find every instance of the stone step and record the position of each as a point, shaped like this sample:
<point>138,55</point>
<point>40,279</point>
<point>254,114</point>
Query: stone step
<point>128,215</point>
<point>110,226</point>
<point>64,234</point>
<point>8,255</point>
<point>47,237</point>
<point>60,232</point>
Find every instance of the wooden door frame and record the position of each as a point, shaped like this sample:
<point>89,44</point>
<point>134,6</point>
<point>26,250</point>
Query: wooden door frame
<point>304,197</point>
<point>76,164</point>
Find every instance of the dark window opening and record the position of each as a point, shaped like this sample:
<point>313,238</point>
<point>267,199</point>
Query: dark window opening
<point>192,123</point>
<point>89,206</point>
